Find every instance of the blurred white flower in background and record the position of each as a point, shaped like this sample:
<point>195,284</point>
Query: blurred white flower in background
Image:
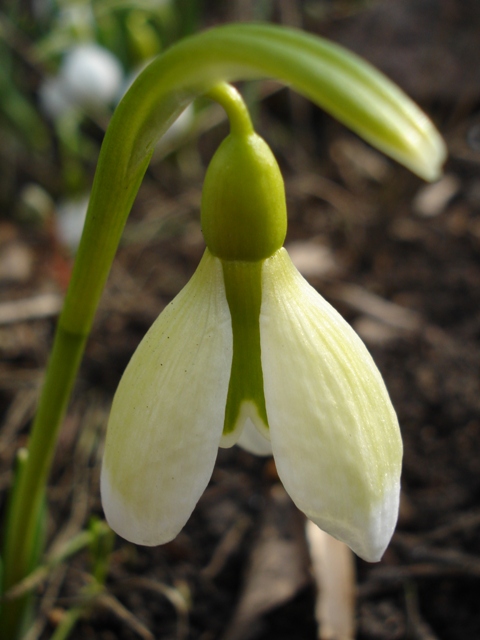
<point>89,78</point>
<point>91,75</point>
<point>70,218</point>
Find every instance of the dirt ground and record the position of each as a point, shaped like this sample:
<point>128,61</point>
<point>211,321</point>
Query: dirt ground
<point>398,258</point>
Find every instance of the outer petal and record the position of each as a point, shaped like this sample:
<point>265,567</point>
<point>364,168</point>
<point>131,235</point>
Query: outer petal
<point>167,415</point>
<point>334,432</point>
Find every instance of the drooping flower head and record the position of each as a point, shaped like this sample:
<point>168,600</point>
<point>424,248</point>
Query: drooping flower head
<point>249,353</point>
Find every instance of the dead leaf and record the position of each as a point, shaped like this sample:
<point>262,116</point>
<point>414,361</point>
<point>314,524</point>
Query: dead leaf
<point>334,573</point>
<point>278,567</point>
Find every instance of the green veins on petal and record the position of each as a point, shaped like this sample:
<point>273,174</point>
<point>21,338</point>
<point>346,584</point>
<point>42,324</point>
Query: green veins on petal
<point>334,432</point>
<point>168,413</point>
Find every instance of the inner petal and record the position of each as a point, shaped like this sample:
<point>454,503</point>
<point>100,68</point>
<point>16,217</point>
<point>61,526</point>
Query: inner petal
<point>245,399</point>
<point>252,440</point>
<point>249,427</point>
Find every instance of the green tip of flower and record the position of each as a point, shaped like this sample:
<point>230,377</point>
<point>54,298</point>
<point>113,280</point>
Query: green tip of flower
<point>244,214</point>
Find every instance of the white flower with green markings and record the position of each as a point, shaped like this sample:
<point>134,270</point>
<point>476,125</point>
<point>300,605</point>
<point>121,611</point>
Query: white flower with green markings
<point>249,352</point>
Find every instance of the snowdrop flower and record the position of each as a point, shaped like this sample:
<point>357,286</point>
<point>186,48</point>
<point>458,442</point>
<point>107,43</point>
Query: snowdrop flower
<point>70,220</point>
<point>90,77</point>
<point>53,98</point>
<point>249,352</point>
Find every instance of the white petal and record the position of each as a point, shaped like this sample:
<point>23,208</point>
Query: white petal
<point>168,412</point>
<point>253,440</point>
<point>333,429</point>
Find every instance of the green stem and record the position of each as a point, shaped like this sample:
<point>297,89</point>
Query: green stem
<point>235,108</point>
<point>68,622</point>
<point>25,508</point>
<point>70,548</point>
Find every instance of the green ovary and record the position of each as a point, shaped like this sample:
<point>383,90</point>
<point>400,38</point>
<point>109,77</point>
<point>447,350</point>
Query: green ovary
<point>244,215</point>
<point>244,296</point>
